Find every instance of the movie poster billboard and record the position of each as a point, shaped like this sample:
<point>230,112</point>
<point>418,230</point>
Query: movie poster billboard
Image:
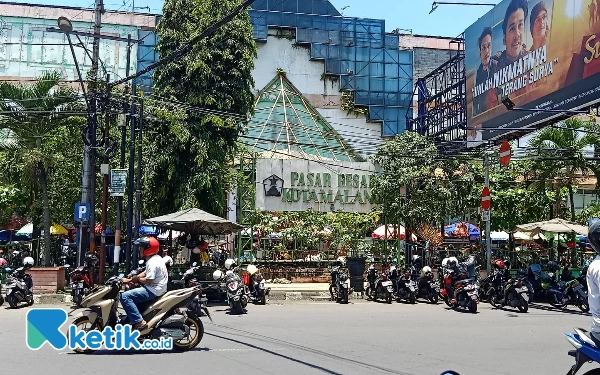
<point>542,54</point>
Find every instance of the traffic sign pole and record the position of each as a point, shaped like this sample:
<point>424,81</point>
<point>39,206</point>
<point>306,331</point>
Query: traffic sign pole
<point>488,244</point>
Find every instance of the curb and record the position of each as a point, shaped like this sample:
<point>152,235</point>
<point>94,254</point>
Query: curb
<point>274,295</point>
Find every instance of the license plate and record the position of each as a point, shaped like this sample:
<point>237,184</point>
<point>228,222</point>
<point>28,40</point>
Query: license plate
<point>77,285</point>
<point>578,287</point>
<point>525,296</point>
<point>386,283</point>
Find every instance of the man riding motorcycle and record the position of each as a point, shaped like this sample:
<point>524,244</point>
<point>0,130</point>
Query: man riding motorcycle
<point>154,279</point>
<point>593,282</point>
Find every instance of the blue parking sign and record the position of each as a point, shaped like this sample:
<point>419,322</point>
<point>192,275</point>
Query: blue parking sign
<point>82,212</point>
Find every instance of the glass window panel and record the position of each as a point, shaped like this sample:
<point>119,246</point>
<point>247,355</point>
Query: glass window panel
<point>362,83</point>
<point>276,5</point>
<point>333,66</point>
<point>334,52</point>
<point>335,37</point>
<point>362,54</point>
<point>391,70</point>
<point>319,7</point>
<point>363,39</point>
<point>303,35</point>
<point>334,23</point>
<point>376,41</point>
<point>376,69</point>
<point>348,83</point>
<point>348,53</point>
<point>361,98</point>
<point>289,19</point>
<point>319,22</point>
<point>391,41</point>
<point>376,84</point>
<point>304,21</point>
<point>391,56</point>
<point>320,36</point>
<point>290,6</point>
<point>260,4</point>
<point>405,57</point>
<point>274,18</point>
<point>376,113</point>
<point>348,24</point>
<point>391,85</point>
<point>362,68</point>
<point>317,51</point>
<point>305,7</point>
<point>377,55</point>
<point>348,65</point>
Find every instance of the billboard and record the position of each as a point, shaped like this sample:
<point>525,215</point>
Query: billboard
<point>542,54</point>
<point>301,185</point>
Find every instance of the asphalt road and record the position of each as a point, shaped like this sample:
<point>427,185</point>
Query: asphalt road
<point>326,338</point>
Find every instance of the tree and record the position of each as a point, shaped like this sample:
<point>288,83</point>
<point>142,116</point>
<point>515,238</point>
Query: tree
<point>32,113</point>
<point>190,158</point>
<point>560,155</point>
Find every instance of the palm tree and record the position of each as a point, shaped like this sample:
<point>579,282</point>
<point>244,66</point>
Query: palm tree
<point>31,112</point>
<point>560,154</point>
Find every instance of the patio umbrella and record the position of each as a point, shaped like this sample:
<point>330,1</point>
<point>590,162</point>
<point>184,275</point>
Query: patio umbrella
<point>554,226</point>
<point>58,229</point>
<point>27,230</point>
<point>527,236</point>
<point>391,232</point>
<point>195,221</point>
<point>499,236</point>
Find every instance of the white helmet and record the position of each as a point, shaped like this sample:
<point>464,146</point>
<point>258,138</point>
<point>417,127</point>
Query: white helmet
<point>217,275</point>
<point>28,261</point>
<point>229,273</point>
<point>392,268</point>
<point>341,260</point>
<point>371,267</point>
<point>426,269</point>
<point>229,262</point>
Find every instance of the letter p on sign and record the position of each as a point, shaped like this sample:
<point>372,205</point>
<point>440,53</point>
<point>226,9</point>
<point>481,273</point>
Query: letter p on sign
<point>82,212</point>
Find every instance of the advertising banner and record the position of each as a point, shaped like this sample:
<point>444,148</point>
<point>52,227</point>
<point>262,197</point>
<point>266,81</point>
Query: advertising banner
<point>302,185</point>
<point>542,54</point>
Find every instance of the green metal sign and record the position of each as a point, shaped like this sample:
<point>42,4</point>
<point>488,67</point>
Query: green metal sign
<point>118,182</point>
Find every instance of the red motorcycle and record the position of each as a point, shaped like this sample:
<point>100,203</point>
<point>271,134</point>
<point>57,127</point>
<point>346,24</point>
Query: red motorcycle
<point>82,278</point>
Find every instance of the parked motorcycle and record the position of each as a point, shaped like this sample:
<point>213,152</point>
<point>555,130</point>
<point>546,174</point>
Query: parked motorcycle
<point>383,287</point>
<point>406,289</point>
<point>166,316</point>
<point>339,288</point>
<point>82,278</point>
<point>516,292</point>
<point>427,286</point>
<point>465,288</point>
<point>465,292</point>
<point>236,290</point>
<point>256,285</point>
<point>19,286</point>
<point>493,282</point>
<point>570,293</point>
<point>585,350</point>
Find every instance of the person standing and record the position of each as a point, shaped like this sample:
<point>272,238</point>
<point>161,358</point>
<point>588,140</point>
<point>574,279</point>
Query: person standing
<point>593,282</point>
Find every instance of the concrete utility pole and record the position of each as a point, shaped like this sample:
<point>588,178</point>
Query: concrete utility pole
<point>105,171</point>
<point>88,178</point>
<point>488,242</point>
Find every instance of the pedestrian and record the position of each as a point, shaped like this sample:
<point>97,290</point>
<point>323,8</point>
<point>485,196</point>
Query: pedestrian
<point>167,259</point>
<point>593,282</point>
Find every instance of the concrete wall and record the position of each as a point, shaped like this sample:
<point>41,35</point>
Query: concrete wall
<point>324,95</point>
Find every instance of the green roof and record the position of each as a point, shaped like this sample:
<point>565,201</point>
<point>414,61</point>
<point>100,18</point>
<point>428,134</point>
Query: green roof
<point>285,124</point>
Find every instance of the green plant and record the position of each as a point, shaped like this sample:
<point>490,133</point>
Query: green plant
<point>348,104</point>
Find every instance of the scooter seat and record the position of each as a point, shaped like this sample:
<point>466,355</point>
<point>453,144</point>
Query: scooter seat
<point>585,336</point>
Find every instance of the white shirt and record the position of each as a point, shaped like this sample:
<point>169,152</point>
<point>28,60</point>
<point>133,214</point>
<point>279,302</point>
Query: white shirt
<point>593,281</point>
<point>168,260</point>
<point>157,272</point>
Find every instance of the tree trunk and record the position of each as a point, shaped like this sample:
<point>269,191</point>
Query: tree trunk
<point>572,200</point>
<point>46,213</point>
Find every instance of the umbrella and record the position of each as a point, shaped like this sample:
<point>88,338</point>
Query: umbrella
<point>459,230</point>
<point>499,236</point>
<point>528,236</point>
<point>195,221</point>
<point>554,226</point>
<point>27,230</point>
<point>391,232</point>
<point>165,235</point>
<point>58,229</point>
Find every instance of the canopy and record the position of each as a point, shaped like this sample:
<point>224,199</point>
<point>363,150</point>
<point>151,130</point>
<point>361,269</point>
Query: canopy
<point>5,236</point>
<point>554,226</point>
<point>391,232</point>
<point>55,229</point>
<point>527,236</point>
<point>460,230</point>
<point>499,236</point>
<point>195,221</point>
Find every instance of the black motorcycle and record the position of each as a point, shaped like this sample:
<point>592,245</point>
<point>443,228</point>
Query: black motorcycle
<point>256,287</point>
<point>428,288</point>
<point>383,287</point>
<point>236,292</point>
<point>513,293</point>
<point>19,287</point>
<point>339,288</point>
<point>406,289</point>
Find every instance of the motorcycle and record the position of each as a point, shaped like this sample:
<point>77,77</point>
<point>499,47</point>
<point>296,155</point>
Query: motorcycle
<point>166,315</point>
<point>383,286</point>
<point>236,292</point>
<point>256,285</point>
<point>82,278</point>
<point>465,292</point>
<point>427,287</point>
<point>406,289</point>
<point>131,285</point>
<point>585,350</point>
<point>19,287</point>
<point>569,293</point>
<point>517,295</point>
<point>339,288</point>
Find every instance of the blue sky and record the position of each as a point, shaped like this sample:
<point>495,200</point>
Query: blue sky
<point>447,20</point>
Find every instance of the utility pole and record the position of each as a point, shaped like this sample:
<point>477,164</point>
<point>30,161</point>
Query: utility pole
<point>117,250</point>
<point>105,170</point>
<point>138,187</point>
<point>130,182</point>
<point>88,178</point>
<point>488,243</point>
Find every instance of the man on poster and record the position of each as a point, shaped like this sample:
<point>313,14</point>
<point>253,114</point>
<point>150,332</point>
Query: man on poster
<point>513,28</point>
<point>485,73</point>
<point>538,25</point>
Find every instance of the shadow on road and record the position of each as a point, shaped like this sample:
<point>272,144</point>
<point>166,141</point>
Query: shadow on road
<point>563,310</point>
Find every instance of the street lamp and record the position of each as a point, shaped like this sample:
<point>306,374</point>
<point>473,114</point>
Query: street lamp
<point>510,105</point>
<point>435,4</point>
<point>64,24</point>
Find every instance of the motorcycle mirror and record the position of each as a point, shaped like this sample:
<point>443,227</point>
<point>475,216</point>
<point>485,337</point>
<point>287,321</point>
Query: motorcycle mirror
<point>194,264</point>
<point>67,265</point>
<point>121,275</point>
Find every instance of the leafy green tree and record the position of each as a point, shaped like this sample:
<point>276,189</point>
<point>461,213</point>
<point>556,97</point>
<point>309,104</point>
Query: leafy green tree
<point>32,113</point>
<point>560,155</point>
<point>191,157</point>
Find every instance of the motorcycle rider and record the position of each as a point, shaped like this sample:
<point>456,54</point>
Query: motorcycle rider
<point>371,277</point>
<point>154,279</point>
<point>468,265</point>
<point>593,282</point>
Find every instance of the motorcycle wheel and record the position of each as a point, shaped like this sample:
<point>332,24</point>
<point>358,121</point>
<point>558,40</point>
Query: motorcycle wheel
<point>412,298</point>
<point>29,300</point>
<point>78,323</point>
<point>262,300</point>
<point>584,306</point>
<point>524,306</point>
<point>388,297</point>
<point>472,307</point>
<point>433,298</point>
<point>194,324</point>
<point>332,293</point>
<point>344,297</point>
<point>554,302</point>
<point>12,302</point>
